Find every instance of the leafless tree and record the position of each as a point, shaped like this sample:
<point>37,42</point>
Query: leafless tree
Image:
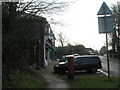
<point>61,38</point>
<point>39,7</point>
<point>115,36</point>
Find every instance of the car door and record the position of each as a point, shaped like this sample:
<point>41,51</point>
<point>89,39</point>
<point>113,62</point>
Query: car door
<point>84,63</point>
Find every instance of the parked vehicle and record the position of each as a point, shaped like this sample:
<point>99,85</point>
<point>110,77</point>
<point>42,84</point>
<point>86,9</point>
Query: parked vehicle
<point>63,59</point>
<point>89,63</point>
<point>75,54</point>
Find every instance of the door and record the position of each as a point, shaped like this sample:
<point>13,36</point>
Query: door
<point>85,63</point>
<point>37,56</point>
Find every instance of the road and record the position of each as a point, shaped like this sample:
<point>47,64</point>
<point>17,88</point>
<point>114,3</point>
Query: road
<point>113,63</point>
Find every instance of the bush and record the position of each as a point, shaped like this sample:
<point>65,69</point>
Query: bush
<point>26,79</point>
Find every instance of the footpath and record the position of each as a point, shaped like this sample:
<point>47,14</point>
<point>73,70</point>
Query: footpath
<point>51,77</point>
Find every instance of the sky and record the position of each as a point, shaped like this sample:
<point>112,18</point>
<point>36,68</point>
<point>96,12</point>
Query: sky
<point>80,23</point>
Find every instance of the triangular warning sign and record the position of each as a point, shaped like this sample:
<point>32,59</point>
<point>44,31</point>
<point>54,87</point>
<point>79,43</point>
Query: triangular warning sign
<point>104,10</point>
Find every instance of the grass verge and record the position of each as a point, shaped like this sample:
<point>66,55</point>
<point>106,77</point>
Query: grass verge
<point>93,82</point>
<point>29,79</point>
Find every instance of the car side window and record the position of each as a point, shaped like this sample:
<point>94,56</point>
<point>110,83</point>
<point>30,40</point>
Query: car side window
<point>88,60</point>
<point>84,60</point>
<point>96,60</point>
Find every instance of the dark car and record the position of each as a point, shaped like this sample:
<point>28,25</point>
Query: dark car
<point>76,54</point>
<point>63,59</point>
<point>89,63</point>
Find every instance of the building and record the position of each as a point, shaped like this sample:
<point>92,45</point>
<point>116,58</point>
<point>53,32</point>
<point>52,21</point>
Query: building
<point>90,51</point>
<point>49,44</point>
<point>38,31</point>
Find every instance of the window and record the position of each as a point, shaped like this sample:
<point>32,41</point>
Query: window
<point>84,60</point>
<point>88,60</point>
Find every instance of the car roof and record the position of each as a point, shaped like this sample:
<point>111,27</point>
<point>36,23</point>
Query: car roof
<point>87,56</point>
<point>76,54</point>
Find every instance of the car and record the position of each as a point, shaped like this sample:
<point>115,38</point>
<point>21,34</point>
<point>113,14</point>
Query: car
<point>61,67</point>
<point>75,54</point>
<point>63,59</point>
<point>88,63</point>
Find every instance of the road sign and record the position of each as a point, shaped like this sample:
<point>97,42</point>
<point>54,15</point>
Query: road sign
<point>105,24</point>
<point>104,9</point>
<point>105,20</point>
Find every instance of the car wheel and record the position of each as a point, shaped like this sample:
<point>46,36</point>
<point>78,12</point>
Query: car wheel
<point>55,71</point>
<point>64,71</point>
<point>93,69</point>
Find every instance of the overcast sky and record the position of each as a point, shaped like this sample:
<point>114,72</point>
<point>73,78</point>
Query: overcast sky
<point>80,23</point>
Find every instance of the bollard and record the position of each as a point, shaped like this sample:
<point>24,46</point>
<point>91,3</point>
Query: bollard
<point>70,67</point>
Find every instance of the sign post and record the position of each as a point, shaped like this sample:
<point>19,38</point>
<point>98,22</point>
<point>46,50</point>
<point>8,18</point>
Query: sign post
<point>105,23</point>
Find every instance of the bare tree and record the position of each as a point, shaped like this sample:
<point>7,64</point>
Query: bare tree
<point>61,38</point>
<point>115,40</point>
<point>39,7</point>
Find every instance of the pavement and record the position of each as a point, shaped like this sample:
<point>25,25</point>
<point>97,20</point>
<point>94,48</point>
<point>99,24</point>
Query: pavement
<point>52,78</point>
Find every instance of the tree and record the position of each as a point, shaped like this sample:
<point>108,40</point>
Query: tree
<point>80,49</point>
<point>39,7</point>
<point>15,48</point>
<point>71,49</point>
<point>44,6</point>
<point>61,38</point>
<point>115,36</point>
<point>16,52</point>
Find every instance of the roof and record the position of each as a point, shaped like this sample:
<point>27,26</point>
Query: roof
<point>33,27</point>
<point>88,56</point>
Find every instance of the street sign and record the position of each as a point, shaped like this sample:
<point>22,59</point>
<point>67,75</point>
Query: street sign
<point>105,20</point>
<point>105,24</point>
<point>104,9</point>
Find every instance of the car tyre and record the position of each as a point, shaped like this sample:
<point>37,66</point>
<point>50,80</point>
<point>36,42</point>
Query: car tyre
<point>93,69</point>
<point>64,71</point>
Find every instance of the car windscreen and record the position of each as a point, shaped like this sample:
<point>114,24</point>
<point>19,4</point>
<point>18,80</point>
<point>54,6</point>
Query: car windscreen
<point>63,58</point>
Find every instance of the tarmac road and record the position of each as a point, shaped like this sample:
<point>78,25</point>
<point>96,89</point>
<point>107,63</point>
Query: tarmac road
<point>114,65</point>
